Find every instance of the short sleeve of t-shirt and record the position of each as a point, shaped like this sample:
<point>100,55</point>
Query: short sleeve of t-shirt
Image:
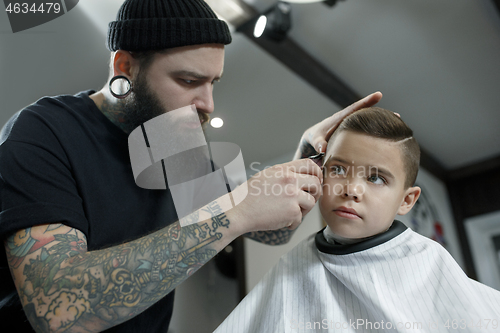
<point>36,181</point>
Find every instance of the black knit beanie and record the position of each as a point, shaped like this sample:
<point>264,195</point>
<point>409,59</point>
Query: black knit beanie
<point>143,25</point>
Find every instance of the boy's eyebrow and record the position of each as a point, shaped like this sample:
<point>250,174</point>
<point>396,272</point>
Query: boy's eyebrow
<point>195,75</point>
<point>379,170</point>
<point>337,159</point>
<point>384,172</point>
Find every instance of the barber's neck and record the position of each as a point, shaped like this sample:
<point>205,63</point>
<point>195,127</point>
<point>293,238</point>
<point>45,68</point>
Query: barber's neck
<point>111,107</point>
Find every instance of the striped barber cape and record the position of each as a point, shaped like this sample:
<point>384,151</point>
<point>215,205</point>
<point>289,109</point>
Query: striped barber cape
<point>398,281</point>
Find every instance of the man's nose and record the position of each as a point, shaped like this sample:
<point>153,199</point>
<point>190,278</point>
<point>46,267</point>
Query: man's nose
<point>204,100</point>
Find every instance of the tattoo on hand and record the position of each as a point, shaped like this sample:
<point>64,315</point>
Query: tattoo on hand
<point>272,237</point>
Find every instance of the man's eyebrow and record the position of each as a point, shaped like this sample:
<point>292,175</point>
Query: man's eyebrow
<point>195,75</point>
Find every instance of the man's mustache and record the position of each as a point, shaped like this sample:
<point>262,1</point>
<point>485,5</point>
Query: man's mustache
<point>204,118</point>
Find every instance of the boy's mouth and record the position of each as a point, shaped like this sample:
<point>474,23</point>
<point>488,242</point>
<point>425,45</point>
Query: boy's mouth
<point>347,213</point>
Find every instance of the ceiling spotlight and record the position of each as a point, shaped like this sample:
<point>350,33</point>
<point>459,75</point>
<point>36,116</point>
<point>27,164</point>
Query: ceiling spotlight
<point>260,26</point>
<point>303,1</point>
<point>275,23</point>
<point>329,3</point>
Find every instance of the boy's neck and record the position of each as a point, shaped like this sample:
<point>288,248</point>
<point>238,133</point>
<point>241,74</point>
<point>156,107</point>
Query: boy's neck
<point>324,246</point>
<point>333,238</point>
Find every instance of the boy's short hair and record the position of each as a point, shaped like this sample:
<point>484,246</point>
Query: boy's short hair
<point>384,124</point>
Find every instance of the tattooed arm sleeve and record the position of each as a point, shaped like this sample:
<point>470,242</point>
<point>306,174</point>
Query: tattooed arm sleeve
<point>272,237</point>
<point>65,288</point>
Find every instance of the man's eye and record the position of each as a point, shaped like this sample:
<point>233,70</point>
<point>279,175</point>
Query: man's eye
<point>377,180</point>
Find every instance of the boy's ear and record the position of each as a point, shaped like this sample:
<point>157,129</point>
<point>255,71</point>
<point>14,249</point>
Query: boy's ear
<point>411,196</point>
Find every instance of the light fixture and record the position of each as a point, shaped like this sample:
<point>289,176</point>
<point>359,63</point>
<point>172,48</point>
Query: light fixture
<point>235,12</point>
<point>327,2</point>
<point>275,23</point>
<point>216,122</point>
<point>260,26</point>
<point>238,12</point>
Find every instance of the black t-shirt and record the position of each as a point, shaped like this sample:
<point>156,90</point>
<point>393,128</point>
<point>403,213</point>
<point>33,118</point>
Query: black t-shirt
<point>62,160</point>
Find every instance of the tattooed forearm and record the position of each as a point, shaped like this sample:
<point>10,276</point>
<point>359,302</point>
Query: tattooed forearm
<point>272,237</point>
<point>64,286</point>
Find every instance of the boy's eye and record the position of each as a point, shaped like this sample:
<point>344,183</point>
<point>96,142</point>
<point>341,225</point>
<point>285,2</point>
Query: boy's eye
<point>377,180</point>
<point>338,170</point>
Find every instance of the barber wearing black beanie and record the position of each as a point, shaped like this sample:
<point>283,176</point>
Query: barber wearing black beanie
<point>143,25</point>
<point>88,249</point>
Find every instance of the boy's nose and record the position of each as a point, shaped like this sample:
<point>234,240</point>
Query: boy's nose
<point>353,190</point>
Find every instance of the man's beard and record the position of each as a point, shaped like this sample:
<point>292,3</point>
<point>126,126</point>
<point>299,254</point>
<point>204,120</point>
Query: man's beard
<point>143,105</point>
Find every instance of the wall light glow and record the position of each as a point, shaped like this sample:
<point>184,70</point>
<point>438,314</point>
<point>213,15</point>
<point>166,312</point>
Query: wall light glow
<point>216,122</point>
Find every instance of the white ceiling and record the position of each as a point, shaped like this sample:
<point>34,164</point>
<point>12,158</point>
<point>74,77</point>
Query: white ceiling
<point>436,61</point>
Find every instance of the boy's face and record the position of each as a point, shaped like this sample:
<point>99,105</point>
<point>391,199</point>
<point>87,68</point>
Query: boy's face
<point>363,186</point>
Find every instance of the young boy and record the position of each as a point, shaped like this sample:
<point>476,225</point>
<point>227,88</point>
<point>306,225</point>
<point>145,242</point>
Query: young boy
<point>366,272</point>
